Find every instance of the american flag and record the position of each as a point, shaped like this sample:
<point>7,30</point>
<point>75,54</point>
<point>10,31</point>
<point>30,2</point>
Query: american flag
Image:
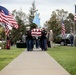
<point>36,32</point>
<point>6,17</point>
<point>63,28</point>
<point>75,14</point>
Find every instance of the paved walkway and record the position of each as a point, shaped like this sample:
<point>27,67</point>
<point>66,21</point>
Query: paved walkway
<point>35,62</point>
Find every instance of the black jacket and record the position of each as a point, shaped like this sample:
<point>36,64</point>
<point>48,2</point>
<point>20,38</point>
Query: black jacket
<point>43,34</point>
<point>28,35</point>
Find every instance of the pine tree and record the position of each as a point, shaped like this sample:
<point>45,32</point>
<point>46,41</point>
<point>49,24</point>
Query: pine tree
<point>32,13</point>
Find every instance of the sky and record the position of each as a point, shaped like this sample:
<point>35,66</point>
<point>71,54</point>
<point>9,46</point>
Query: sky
<point>45,7</point>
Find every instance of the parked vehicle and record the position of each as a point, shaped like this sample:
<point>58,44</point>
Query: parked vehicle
<point>63,40</point>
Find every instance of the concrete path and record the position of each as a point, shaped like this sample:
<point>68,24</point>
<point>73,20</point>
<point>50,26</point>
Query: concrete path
<point>35,62</point>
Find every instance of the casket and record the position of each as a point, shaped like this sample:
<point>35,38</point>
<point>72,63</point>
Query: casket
<point>36,32</point>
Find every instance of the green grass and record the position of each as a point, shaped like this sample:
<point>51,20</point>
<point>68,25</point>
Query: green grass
<point>66,56</point>
<point>6,56</point>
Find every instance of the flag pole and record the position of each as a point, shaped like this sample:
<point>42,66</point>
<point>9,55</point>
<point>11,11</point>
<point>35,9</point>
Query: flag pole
<point>74,27</point>
<point>7,37</point>
<point>74,35</point>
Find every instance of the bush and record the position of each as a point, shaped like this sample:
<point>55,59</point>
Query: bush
<point>2,45</point>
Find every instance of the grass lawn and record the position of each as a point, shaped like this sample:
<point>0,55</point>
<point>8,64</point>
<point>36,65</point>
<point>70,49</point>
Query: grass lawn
<point>6,56</point>
<point>66,56</point>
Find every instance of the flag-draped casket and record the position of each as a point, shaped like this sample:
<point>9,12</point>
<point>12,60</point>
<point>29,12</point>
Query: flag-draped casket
<point>36,32</point>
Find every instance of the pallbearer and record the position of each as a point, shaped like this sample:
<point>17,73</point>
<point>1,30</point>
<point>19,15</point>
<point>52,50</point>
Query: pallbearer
<point>43,40</point>
<point>28,39</point>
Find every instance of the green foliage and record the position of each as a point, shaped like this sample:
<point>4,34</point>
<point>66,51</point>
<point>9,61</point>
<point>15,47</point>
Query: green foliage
<point>69,23</point>
<point>6,56</point>
<point>21,19</point>
<point>2,33</point>
<point>3,45</point>
<point>54,26</point>
<point>55,22</point>
<point>32,12</point>
<point>16,34</point>
<point>56,18</point>
<point>66,56</point>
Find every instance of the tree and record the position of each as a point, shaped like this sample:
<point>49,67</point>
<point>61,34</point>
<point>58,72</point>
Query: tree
<point>55,21</point>
<point>20,17</point>
<point>70,23</point>
<point>2,32</point>
<point>31,15</point>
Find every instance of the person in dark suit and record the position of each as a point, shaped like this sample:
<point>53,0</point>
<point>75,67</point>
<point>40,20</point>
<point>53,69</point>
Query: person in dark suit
<point>28,39</point>
<point>72,39</point>
<point>43,40</point>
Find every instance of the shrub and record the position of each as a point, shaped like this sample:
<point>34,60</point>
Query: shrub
<point>2,44</point>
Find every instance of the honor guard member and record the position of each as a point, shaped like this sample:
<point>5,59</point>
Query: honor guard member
<point>43,40</point>
<point>28,39</point>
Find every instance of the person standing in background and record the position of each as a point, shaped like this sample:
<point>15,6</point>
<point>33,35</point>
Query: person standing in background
<point>48,42</point>
<point>72,39</point>
<point>23,38</point>
<point>51,38</point>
